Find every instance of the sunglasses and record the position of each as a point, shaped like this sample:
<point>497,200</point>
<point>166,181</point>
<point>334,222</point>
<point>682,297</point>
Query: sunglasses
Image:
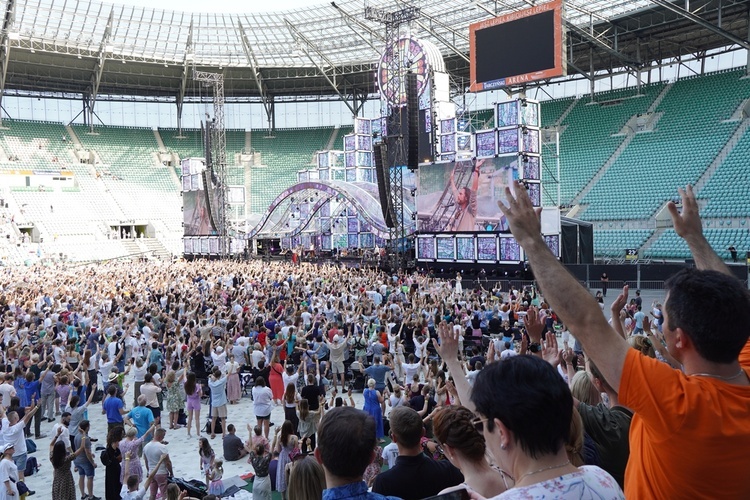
<point>478,424</point>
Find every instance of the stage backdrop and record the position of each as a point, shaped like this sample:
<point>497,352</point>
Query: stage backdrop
<point>464,196</point>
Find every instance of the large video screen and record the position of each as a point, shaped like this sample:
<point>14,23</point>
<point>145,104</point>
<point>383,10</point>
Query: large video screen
<point>464,196</point>
<point>196,217</point>
<point>518,47</point>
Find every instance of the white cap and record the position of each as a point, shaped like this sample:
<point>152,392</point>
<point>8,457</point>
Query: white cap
<point>336,338</point>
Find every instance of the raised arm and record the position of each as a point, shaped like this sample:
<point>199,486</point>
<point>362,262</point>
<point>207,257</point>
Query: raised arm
<point>448,350</point>
<point>575,305</point>
<point>615,310</point>
<point>152,473</point>
<point>688,226</point>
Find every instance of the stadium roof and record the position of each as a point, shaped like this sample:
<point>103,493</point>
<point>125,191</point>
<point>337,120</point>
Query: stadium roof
<point>326,49</point>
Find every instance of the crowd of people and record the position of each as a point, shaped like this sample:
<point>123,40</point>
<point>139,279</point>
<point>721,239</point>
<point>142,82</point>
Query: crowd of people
<point>352,383</point>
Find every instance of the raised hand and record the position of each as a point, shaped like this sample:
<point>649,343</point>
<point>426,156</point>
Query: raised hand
<point>550,351</point>
<point>448,347</point>
<point>534,327</point>
<point>620,302</point>
<point>524,219</point>
<point>688,223</point>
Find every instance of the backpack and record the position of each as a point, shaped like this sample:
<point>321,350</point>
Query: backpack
<point>217,427</point>
<point>31,466</point>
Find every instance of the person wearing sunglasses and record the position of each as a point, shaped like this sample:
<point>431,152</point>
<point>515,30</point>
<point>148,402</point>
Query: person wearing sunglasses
<point>524,411</point>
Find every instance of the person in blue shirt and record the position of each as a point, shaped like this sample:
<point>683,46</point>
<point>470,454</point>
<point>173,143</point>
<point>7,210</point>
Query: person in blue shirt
<point>346,446</point>
<point>377,372</point>
<point>141,417</point>
<point>114,408</point>
<point>33,393</point>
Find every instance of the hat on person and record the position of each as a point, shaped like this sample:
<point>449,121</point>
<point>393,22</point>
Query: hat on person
<point>7,447</point>
<point>336,339</point>
<point>219,349</point>
<point>112,377</point>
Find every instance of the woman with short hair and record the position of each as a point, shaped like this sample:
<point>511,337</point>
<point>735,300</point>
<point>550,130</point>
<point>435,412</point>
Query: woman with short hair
<point>524,410</point>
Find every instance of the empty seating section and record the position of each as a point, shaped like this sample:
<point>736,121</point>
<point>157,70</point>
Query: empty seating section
<point>190,143</point>
<point>687,138</point>
<point>587,142</point>
<point>613,243</point>
<point>671,246</point>
<point>282,155</point>
<point>35,145</point>
<point>187,145</point>
<point>728,190</point>
<point>552,110</point>
<point>126,149</point>
<point>142,188</point>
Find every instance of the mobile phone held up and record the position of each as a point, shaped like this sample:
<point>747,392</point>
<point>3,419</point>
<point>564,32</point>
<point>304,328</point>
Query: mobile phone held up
<point>462,494</point>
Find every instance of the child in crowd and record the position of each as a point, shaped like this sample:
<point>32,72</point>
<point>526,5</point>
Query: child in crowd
<point>216,486</point>
<point>207,457</point>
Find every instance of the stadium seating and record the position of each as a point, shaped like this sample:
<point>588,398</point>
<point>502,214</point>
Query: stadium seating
<point>130,183</point>
<point>282,155</point>
<point>612,243</point>
<point>686,140</point>
<point>36,145</point>
<point>190,144</point>
<point>142,187</point>
<point>588,141</point>
<point>728,191</point>
<point>671,246</point>
<point>553,109</point>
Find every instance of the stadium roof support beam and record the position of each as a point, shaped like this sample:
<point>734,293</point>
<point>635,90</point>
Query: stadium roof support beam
<point>8,22</point>
<point>599,44</point>
<point>306,45</point>
<point>255,69</point>
<point>350,20</point>
<point>96,75</point>
<point>703,23</point>
<point>186,62</point>
<point>440,37</point>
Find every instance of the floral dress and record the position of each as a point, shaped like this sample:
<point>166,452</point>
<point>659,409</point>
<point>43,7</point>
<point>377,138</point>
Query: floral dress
<point>63,485</point>
<point>175,400</point>
<point>136,469</point>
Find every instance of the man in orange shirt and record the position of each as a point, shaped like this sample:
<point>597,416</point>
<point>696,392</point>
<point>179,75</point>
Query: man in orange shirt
<point>690,435</point>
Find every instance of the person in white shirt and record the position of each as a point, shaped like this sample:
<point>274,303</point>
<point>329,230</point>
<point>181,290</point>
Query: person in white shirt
<point>61,432</point>
<point>156,455</point>
<point>219,357</point>
<point>508,352</point>
<point>420,346</point>
<point>390,454</point>
<point>411,368</point>
<point>58,351</point>
<point>7,390</point>
<point>13,433</point>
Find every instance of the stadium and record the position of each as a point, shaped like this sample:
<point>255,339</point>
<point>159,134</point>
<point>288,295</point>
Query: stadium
<point>646,112</point>
<point>190,179</point>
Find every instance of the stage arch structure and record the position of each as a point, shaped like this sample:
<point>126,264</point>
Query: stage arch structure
<point>325,213</point>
